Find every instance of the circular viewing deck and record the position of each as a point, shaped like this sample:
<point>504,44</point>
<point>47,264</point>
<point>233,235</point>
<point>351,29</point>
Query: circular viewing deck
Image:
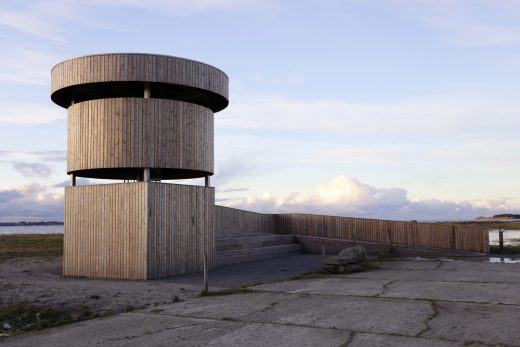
<point>124,75</point>
<point>131,112</point>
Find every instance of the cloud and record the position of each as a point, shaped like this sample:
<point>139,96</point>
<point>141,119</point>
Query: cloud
<point>53,156</point>
<point>30,113</point>
<point>347,196</point>
<point>30,22</point>
<point>26,66</point>
<point>80,181</point>
<point>176,7</point>
<point>229,169</point>
<point>341,196</point>
<point>467,22</point>
<point>48,19</point>
<point>32,169</point>
<point>448,114</point>
<point>31,202</point>
<point>232,190</point>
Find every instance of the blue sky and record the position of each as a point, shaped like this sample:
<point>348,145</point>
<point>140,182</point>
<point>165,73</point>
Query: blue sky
<point>399,109</point>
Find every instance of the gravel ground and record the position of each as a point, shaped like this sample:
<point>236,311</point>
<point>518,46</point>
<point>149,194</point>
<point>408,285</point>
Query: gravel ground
<point>38,280</point>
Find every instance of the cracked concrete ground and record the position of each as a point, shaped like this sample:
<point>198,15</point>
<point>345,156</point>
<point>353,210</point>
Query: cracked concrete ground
<point>399,303</point>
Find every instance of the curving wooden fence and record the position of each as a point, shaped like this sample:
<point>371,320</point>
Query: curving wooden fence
<point>430,235</point>
<point>465,238</point>
<point>235,219</point>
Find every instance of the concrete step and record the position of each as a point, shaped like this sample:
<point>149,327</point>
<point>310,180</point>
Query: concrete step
<point>254,254</point>
<point>229,234</point>
<point>231,244</point>
<point>234,235</point>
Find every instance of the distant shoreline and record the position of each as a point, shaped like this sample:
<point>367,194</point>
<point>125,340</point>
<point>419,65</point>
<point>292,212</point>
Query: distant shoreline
<point>24,224</point>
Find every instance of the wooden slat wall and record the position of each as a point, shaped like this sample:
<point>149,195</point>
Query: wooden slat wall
<point>139,67</point>
<point>181,229</point>
<point>138,231</point>
<point>105,231</point>
<point>231,218</point>
<point>139,133</point>
<point>466,238</point>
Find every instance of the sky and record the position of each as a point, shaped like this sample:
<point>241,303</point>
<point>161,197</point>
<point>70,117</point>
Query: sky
<point>394,109</point>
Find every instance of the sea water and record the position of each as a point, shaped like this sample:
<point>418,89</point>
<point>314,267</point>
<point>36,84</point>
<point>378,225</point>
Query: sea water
<point>511,237</point>
<point>31,229</point>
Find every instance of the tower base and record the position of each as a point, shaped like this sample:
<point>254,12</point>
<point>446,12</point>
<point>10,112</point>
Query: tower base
<point>138,231</point>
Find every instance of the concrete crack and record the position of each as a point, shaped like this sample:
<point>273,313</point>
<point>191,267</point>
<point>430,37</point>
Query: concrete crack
<point>350,338</point>
<point>385,288</point>
<point>273,304</point>
<point>146,333</point>
<point>427,321</point>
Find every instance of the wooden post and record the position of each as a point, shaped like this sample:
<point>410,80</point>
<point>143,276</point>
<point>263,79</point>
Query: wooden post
<point>353,238</point>
<point>72,180</point>
<point>389,241</point>
<point>146,94</point>
<point>323,247</point>
<point>146,175</point>
<point>453,241</point>
<point>485,240</point>
<point>205,290</point>
<point>206,181</point>
<point>501,239</point>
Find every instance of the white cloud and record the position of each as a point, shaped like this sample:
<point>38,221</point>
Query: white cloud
<point>347,196</point>
<point>229,169</point>
<point>54,156</point>
<point>46,18</point>
<point>468,22</point>
<point>443,113</point>
<point>31,202</point>
<point>30,113</point>
<point>341,196</point>
<point>232,190</point>
<point>30,22</point>
<point>179,7</point>
<point>26,66</point>
<point>32,169</point>
<point>493,204</point>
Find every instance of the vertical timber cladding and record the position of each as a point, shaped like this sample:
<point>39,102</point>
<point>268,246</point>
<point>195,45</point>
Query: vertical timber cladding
<point>138,118</point>
<point>138,230</point>
<point>180,229</point>
<point>106,231</point>
<point>128,133</point>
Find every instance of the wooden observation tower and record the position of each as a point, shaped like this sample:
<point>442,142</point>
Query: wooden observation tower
<point>138,119</point>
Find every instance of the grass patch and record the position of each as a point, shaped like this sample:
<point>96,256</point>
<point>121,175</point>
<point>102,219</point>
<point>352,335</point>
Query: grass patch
<point>13,246</point>
<point>508,249</point>
<point>230,291</point>
<point>20,317</point>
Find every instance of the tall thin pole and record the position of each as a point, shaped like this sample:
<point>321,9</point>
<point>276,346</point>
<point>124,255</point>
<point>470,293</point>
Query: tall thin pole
<point>205,273</point>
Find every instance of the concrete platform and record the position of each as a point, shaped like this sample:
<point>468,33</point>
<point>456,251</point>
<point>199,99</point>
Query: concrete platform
<point>396,303</point>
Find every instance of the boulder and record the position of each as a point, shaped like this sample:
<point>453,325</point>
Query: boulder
<point>354,255</point>
<point>350,259</point>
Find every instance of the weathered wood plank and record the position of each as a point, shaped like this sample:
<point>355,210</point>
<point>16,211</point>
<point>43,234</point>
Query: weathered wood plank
<point>98,135</point>
<point>467,238</point>
<point>140,67</point>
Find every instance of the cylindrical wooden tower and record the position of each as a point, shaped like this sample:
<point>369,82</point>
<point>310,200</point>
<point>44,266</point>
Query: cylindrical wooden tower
<point>139,118</point>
